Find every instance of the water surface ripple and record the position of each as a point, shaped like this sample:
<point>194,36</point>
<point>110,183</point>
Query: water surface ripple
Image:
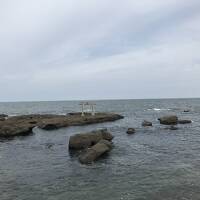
<point>152,164</point>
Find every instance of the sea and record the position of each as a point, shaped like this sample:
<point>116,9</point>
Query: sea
<point>155,163</point>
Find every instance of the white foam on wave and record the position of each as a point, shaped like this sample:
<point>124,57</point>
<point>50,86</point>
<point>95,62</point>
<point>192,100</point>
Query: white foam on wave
<point>12,115</point>
<point>159,109</point>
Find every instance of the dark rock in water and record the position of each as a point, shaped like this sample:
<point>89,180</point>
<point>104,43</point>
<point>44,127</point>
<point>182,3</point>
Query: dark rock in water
<point>49,126</point>
<point>187,110</point>
<point>146,123</point>
<point>130,131</point>
<point>3,115</point>
<point>74,113</point>
<point>93,153</point>
<point>184,121</point>
<point>169,120</point>
<point>172,128</point>
<point>10,131</point>
<point>49,145</point>
<point>84,140</point>
<point>33,122</point>
<point>14,126</point>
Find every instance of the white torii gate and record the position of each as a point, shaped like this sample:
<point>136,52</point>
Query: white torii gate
<point>89,105</point>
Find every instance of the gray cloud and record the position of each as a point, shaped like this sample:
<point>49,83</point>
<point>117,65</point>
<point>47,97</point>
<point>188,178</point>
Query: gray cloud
<point>99,49</point>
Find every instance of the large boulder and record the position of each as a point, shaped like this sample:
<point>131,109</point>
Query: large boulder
<point>169,120</point>
<point>84,140</point>
<point>184,121</point>
<point>146,123</point>
<point>95,152</point>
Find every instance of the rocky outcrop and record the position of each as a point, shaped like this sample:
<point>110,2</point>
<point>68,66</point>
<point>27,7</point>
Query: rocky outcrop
<point>3,117</point>
<point>85,140</point>
<point>146,123</point>
<point>10,131</point>
<point>93,153</point>
<point>19,125</point>
<point>130,131</point>
<point>169,120</point>
<point>184,121</point>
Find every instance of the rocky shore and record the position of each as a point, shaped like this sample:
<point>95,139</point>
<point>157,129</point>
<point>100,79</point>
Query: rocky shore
<point>23,125</point>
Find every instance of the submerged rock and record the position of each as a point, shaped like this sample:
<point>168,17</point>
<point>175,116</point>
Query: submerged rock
<point>172,128</point>
<point>184,121</point>
<point>84,140</point>
<point>93,153</point>
<point>169,120</point>
<point>146,123</point>
<point>130,131</point>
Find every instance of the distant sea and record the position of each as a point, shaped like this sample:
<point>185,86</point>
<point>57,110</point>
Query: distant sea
<point>152,164</point>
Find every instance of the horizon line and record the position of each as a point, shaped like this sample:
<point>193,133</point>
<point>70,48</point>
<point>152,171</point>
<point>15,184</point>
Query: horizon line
<point>106,99</point>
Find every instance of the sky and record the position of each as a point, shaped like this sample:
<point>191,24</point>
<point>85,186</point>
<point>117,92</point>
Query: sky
<point>99,49</point>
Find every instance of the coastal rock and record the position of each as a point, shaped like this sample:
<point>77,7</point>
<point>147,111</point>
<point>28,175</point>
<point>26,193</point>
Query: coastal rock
<point>3,116</point>
<point>84,140</point>
<point>14,126</point>
<point>169,120</point>
<point>2,119</point>
<point>130,131</point>
<point>146,123</point>
<point>172,128</point>
<point>184,121</point>
<point>10,131</point>
<point>93,153</point>
<point>49,126</point>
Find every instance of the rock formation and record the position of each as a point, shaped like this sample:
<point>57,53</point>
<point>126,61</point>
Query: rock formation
<point>169,120</point>
<point>184,121</point>
<point>22,125</point>
<point>146,123</point>
<point>85,140</point>
<point>130,131</point>
<point>93,153</point>
<point>3,117</point>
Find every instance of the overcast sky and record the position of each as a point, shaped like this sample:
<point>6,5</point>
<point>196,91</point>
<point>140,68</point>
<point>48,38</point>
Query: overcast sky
<point>105,49</point>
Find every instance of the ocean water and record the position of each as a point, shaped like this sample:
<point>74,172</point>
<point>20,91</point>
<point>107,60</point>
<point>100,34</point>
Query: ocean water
<point>152,164</point>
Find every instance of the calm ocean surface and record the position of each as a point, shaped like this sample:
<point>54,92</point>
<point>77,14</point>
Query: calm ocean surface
<point>152,164</point>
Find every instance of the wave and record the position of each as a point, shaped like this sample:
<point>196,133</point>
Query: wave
<point>159,109</point>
